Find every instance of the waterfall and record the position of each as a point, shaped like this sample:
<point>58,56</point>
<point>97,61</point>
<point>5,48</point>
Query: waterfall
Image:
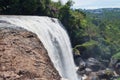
<point>54,38</point>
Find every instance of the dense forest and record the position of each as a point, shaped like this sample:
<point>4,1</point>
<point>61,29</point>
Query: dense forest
<point>93,33</point>
<point>107,27</point>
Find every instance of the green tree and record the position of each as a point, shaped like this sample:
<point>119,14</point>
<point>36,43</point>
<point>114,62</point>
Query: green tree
<point>18,6</point>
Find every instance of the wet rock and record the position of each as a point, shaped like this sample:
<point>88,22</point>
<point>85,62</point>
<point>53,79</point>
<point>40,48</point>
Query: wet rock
<point>105,74</point>
<point>115,64</point>
<point>88,71</point>
<point>92,76</point>
<point>117,68</point>
<point>94,64</point>
<point>78,60</point>
<point>81,70</point>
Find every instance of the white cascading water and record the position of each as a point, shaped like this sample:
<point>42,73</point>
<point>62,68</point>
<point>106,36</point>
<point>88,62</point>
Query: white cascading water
<point>53,37</point>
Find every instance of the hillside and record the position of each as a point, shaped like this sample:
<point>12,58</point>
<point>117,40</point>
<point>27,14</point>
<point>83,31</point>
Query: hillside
<point>93,33</point>
<point>104,30</point>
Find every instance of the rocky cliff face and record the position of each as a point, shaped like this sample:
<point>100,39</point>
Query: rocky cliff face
<point>23,56</point>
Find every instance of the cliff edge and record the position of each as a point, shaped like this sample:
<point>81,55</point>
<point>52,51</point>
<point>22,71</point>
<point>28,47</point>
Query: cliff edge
<point>23,56</point>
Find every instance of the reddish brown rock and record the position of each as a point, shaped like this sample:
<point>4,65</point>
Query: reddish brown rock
<point>23,56</point>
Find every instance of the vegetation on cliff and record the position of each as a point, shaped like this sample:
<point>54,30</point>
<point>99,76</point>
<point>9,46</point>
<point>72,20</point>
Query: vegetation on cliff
<point>92,32</point>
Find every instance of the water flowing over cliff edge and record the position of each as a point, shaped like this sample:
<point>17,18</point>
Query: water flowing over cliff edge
<point>54,38</point>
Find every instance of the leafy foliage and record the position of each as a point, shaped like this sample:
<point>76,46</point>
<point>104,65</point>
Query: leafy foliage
<point>94,33</point>
<point>116,56</point>
<point>104,28</point>
<point>18,6</point>
<point>118,79</point>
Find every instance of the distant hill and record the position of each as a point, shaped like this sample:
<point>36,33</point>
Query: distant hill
<point>105,14</point>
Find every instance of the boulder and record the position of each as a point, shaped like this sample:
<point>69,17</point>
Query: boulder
<point>115,64</point>
<point>94,64</point>
<point>82,65</point>
<point>23,56</point>
<point>117,68</point>
<point>92,76</point>
<point>88,71</point>
<point>107,74</point>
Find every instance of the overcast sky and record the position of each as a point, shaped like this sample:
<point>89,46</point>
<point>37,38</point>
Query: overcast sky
<point>94,4</point>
